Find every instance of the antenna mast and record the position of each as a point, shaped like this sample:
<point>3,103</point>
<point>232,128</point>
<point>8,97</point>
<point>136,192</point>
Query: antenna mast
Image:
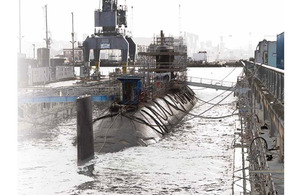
<point>179,21</point>
<point>20,35</point>
<point>47,39</point>
<point>73,41</point>
<point>131,20</point>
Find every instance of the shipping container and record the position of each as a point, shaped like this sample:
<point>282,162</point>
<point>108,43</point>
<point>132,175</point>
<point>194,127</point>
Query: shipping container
<point>280,51</point>
<point>272,53</point>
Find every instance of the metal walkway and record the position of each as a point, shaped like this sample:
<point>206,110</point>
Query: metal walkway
<point>210,83</point>
<point>100,92</point>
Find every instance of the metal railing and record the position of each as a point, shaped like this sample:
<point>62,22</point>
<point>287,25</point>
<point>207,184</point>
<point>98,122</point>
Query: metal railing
<point>272,78</point>
<point>211,81</point>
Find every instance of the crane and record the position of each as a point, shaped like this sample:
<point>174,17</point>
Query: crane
<point>108,23</point>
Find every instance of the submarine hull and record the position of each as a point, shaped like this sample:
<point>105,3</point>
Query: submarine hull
<point>144,126</point>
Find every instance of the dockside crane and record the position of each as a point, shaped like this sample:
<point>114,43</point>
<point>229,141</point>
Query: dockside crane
<point>108,35</point>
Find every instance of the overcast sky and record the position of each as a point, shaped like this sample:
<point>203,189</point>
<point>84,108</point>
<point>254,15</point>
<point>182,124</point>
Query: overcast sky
<point>210,19</point>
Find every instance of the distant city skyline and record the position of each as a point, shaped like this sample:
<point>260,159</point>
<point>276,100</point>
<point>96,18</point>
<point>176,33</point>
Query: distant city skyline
<point>216,50</point>
<point>232,21</point>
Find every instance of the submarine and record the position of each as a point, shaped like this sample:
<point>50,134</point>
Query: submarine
<point>152,98</point>
<point>139,118</point>
<point>146,109</point>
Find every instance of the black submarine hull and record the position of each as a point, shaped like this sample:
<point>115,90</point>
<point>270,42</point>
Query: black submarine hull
<point>144,126</point>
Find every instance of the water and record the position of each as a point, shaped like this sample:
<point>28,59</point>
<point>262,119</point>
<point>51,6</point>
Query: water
<point>196,158</point>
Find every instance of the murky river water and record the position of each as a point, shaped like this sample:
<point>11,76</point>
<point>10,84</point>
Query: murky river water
<point>196,158</point>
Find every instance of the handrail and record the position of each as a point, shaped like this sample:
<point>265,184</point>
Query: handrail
<point>211,81</point>
<point>272,78</point>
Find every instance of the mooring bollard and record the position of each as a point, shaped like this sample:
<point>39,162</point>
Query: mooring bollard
<point>85,138</point>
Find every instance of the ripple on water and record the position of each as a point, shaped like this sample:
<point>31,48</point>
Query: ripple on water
<point>196,158</point>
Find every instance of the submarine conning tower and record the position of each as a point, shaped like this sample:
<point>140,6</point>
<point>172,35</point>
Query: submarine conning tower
<point>170,58</point>
<point>165,54</point>
<point>110,34</point>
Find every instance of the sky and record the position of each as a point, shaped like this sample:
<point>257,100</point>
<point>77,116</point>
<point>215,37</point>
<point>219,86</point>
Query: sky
<point>239,22</point>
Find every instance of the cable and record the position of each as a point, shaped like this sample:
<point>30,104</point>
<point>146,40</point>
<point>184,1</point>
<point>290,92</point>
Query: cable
<point>256,139</point>
<point>208,108</point>
<point>165,117</point>
<point>181,98</point>
<point>175,101</point>
<point>161,114</point>
<point>217,95</point>
<point>217,117</point>
<point>173,105</point>
<point>162,108</point>
<point>105,116</point>
<point>162,127</point>
<point>205,102</point>
<point>142,121</point>
<point>212,103</point>
<point>107,132</point>
<point>228,74</point>
<point>214,118</point>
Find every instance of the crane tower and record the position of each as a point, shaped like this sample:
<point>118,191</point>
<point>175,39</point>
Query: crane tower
<point>108,35</point>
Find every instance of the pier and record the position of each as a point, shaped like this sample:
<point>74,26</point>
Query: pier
<point>261,134</point>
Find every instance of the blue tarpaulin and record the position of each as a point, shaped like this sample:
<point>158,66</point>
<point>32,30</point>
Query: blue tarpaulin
<point>99,98</point>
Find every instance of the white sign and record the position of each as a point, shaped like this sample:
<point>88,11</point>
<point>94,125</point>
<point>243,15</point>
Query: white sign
<point>105,46</point>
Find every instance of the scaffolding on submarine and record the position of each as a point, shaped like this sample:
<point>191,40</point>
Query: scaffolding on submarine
<point>162,66</point>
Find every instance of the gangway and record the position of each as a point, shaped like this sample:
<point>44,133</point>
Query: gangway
<point>211,83</point>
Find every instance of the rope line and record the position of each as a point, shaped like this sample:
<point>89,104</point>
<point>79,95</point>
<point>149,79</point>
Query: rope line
<point>105,137</point>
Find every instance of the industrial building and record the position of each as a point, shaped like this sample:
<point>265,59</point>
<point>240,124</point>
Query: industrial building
<point>265,53</point>
<point>78,55</point>
<point>43,70</point>
<point>280,51</point>
<point>271,52</point>
<point>200,56</point>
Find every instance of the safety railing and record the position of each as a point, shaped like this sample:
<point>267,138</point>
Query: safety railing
<point>272,78</point>
<point>211,81</point>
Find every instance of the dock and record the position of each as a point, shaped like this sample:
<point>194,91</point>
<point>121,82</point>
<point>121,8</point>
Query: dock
<point>260,133</point>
